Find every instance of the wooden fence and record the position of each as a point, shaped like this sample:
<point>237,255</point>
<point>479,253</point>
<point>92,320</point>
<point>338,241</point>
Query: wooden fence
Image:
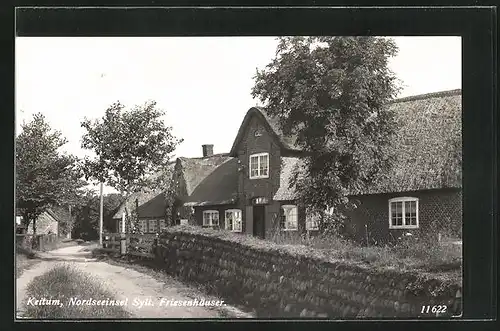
<point>135,244</point>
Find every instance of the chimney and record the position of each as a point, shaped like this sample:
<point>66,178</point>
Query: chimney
<point>208,150</point>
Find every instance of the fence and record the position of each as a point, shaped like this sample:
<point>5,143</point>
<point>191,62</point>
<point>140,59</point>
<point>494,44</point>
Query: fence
<point>40,242</point>
<point>140,245</point>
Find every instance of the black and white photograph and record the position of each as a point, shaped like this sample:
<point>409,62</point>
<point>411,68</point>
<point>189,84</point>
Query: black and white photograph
<point>238,177</point>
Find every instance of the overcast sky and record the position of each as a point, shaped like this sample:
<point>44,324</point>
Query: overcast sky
<point>203,83</point>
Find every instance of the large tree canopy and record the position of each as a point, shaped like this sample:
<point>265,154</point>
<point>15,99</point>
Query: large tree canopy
<point>44,176</point>
<point>330,93</point>
<point>130,146</point>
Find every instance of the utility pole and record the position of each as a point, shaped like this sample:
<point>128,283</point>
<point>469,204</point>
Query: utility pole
<point>70,227</point>
<point>101,215</point>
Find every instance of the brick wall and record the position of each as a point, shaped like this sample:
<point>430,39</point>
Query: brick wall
<point>264,187</point>
<point>438,210</point>
<point>284,281</point>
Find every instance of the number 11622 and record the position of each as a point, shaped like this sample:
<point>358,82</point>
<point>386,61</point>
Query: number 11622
<point>439,309</point>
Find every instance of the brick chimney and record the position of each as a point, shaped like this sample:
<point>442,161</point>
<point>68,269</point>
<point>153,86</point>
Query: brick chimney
<point>208,150</point>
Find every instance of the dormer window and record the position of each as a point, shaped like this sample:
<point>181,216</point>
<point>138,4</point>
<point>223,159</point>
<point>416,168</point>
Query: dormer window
<point>259,165</point>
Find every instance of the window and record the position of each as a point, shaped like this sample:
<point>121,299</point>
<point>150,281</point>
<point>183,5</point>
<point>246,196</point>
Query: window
<point>233,220</point>
<point>210,218</point>
<point>259,165</point>
<point>153,226</point>
<point>162,224</point>
<point>290,218</point>
<point>403,213</point>
<point>143,226</point>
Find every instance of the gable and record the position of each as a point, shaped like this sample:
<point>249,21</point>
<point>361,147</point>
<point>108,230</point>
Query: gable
<point>257,116</point>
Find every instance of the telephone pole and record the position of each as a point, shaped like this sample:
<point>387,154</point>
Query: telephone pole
<point>101,216</point>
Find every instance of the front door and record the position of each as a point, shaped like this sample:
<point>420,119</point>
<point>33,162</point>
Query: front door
<point>259,221</point>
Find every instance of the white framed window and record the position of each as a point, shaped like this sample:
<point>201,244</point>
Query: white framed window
<point>289,221</point>
<point>210,218</point>
<point>259,165</point>
<point>403,213</point>
<point>233,220</point>
<point>143,226</point>
<point>153,226</point>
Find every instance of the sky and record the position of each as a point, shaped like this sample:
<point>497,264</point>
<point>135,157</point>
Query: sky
<point>203,83</point>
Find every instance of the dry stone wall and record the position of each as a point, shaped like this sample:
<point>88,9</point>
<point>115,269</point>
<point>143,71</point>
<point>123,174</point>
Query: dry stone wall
<point>282,281</point>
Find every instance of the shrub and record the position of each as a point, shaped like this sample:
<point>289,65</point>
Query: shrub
<point>64,282</point>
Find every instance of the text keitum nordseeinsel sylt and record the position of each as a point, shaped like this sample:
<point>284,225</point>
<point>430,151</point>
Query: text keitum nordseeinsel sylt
<point>138,302</point>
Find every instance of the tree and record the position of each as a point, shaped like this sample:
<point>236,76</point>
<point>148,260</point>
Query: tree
<point>86,214</point>
<point>330,93</point>
<point>130,146</point>
<point>44,176</point>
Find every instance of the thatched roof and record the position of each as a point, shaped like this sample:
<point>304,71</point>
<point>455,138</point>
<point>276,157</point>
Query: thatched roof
<point>144,195</point>
<point>154,208</point>
<point>218,188</point>
<point>195,170</point>
<point>427,145</point>
<point>288,165</point>
<point>271,125</point>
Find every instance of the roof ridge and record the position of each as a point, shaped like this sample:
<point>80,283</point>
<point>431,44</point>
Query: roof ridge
<point>427,96</point>
<point>203,157</point>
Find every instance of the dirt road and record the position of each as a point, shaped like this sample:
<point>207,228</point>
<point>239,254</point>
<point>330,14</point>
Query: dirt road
<point>128,284</point>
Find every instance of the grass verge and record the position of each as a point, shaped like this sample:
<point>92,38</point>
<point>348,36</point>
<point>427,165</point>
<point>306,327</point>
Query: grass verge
<point>25,259</point>
<point>422,256</point>
<point>62,283</point>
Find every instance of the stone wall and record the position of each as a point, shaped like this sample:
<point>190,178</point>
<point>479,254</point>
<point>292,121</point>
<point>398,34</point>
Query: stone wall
<point>296,281</point>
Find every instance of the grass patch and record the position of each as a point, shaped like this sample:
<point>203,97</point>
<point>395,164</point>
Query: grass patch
<point>427,256</point>
<point>64,282</point>
<point>25,259</point>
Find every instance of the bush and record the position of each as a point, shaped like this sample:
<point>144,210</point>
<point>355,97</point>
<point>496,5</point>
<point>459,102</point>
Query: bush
<point>64,282</point>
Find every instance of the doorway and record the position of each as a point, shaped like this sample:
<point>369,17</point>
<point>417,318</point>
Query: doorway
<point>259,221</point>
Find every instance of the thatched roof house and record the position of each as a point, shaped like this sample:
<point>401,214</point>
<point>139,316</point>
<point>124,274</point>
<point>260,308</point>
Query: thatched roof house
<point>248,189</point>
